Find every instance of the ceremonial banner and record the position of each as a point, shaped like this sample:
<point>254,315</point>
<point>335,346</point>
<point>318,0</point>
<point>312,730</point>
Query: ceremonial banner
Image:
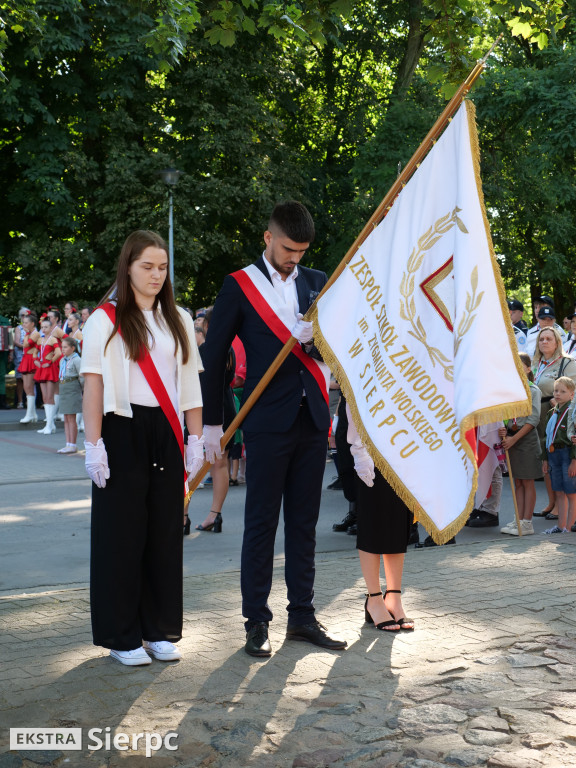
<point>417,332</point>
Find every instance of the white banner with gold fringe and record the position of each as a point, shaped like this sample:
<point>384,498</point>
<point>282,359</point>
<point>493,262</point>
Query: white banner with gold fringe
<point>416,330</point>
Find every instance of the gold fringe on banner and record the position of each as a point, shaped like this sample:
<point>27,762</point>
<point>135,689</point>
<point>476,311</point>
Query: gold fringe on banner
<point>477,418</point>
<point>507,410</point>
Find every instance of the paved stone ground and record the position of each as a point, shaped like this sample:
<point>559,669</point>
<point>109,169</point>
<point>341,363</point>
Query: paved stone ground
<point>487,678</point>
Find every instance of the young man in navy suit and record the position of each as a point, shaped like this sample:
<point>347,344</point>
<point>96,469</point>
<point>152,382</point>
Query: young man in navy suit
<point>286,431</point>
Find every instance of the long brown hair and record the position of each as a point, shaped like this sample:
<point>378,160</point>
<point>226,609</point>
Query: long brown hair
<point>559,348</point>
<point>129,317</point>
<point>527,361</point>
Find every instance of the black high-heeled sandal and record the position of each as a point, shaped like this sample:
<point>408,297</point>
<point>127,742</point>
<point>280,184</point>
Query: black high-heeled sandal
<point>403,621</point>
<point>383,624</point>
<point>187,526</point>
<point>215,527</point>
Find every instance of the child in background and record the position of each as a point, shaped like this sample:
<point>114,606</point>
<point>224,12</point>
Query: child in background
<point>27,366</point>
<point>70,392</point>
<point>520,439</point>
<point>46,374</point>
<point>560,459</point>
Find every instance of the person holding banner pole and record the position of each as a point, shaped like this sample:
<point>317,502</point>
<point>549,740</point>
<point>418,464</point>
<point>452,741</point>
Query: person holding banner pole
<point>384,523</point>
<point>141,370</point>
<point>285,432</point>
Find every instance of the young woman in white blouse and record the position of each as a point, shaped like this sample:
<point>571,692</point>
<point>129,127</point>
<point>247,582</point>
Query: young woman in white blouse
<point>134,454</point>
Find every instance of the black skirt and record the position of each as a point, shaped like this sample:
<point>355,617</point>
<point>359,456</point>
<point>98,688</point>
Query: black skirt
<point>383,519</point>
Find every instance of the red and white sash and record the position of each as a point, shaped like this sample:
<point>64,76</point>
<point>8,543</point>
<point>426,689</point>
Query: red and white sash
<point>279,317</point>
<point>157,386</point>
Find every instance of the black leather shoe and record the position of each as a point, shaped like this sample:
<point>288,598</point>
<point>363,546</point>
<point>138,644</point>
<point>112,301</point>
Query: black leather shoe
<point>352,530</point>
<point>473,514</point>
<point>349,520</point>
<point>314,633</point>
<point>257,643</point>
<point>483,520</point>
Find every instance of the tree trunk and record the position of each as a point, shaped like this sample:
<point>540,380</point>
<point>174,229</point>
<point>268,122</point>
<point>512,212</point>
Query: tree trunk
<point>412,52</point>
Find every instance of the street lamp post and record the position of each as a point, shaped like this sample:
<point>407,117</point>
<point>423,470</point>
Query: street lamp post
<point>170,177</point>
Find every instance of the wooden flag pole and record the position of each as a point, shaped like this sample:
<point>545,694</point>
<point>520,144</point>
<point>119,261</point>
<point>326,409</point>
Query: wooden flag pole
<point>380,212</point>
<point>511,476</point>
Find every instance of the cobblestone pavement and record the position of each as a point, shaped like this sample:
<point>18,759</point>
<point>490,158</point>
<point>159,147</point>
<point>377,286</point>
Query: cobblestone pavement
<point>487,678</point>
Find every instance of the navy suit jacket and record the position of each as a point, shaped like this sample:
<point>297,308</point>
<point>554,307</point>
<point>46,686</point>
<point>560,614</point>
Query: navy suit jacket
<point>277,407</point>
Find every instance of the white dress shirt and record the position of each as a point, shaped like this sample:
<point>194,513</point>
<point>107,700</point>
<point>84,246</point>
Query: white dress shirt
<point>286,289</point>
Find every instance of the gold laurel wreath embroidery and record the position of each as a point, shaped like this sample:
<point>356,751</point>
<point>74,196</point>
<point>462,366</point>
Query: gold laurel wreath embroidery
<point>407,304</point>
<point>472,304</point>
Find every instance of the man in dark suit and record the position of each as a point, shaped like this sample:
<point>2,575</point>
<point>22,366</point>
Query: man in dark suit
<point>286,431</point>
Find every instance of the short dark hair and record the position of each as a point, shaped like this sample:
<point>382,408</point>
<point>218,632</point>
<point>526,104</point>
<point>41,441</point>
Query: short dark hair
<point>294,220</point>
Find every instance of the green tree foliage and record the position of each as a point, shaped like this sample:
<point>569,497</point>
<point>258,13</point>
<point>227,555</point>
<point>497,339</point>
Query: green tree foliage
<point>526,118</point>
<point>74,122</point>
<point>100,95</point>
<point>225,132</point>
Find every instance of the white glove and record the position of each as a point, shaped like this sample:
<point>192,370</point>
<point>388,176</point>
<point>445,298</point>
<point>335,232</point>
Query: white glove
<point>363,464</point>
<point>212,437</point>
<point>194,455</point>
<point>302,331</point>
<point>97,462</point>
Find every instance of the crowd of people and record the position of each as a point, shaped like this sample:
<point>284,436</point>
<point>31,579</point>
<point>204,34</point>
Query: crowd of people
<point>159,387</point>
<point>548,352</point>
<point>45,356</point>
<point>145,363</point>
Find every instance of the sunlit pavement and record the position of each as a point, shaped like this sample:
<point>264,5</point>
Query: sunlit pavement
<point>486,678</point>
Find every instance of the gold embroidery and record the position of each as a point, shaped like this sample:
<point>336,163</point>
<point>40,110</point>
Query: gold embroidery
<point>472,304</point>
<point>407,304</point>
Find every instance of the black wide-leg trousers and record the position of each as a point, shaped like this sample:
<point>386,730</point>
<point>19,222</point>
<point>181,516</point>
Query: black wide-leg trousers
<point>136,535</point>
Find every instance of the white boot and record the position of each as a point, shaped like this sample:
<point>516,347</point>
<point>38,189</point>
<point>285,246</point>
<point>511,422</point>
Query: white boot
<point>50,427</point>
<point>31,414</point>
<point>80,422</point>
<point>59,416</point>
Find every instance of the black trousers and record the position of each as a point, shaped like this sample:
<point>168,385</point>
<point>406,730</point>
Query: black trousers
<point>344,458</point>
<point>286,467</point>
<point>136,537</point>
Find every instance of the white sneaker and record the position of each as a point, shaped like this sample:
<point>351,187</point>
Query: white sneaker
<point>527,528</point>
<point>134,658</point>
<point>510,528</point>
<point>163,650</point>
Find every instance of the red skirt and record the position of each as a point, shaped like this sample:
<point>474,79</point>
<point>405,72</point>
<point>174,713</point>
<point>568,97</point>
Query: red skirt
<point>46,374</point>
<point>27,364</point>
